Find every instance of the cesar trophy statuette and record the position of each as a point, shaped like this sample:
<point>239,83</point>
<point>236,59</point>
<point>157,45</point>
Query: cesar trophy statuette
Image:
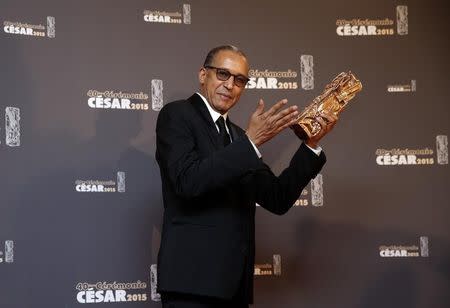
<point>333,99</point>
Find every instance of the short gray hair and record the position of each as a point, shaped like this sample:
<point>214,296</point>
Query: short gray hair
<point>213,52</point>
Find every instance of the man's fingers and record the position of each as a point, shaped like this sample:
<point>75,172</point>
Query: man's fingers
<point>287,120</point>
<point>285,112</point>
<point>293,120</point>
<point>276,107</point>
<point>260,107</point>
<point>286,116</point>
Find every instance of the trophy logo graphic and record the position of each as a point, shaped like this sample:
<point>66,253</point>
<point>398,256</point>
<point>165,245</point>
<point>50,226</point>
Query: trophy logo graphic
<point>413,85</point>
<point>402,19</point>
<point>155,296</point>
<point>157,94</point>
<point>12,126</point>
<point>442,149</point>
<point>51,26</point>
<point>277,265</point>
<point>9,251</point>
<point>187,14</point>
<point>307,72</point>
<point>121,181</point>
<point>317,191</point>
<point>424,246</point>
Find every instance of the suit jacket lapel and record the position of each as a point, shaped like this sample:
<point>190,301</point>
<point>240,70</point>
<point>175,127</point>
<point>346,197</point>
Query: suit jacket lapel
<point>232,128</point>
<point>200,107</point>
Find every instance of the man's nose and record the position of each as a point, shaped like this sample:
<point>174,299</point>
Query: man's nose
<point>229,83</point>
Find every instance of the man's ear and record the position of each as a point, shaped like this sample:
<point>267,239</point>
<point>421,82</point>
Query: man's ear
<point>202,75</point>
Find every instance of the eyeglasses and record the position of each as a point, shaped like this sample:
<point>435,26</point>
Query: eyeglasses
<point>223,75</point>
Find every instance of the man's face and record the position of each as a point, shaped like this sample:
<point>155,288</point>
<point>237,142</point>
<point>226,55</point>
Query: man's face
<point>222,95</point>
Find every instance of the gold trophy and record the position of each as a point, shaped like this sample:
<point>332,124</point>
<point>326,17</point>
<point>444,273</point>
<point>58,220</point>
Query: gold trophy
<point>333,99</point>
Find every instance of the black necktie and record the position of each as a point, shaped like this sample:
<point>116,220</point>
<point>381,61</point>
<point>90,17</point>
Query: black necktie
<point>224,137</point>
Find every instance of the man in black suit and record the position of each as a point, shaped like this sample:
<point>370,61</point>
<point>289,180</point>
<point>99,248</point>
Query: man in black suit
<point>212,176</point>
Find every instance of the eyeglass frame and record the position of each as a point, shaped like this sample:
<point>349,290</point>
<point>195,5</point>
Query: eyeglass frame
<point>230,74</point>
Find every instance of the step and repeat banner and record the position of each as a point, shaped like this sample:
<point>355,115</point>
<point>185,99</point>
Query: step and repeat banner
<point>82,83</point>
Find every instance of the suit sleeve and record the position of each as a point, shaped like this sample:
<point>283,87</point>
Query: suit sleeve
<point>181,164</point>
<point>278,194</point>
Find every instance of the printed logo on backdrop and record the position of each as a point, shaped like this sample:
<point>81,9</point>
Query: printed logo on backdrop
<point>406,251</point>
<point>374,27</point>
<point>12,127</point>
<point>110,99</point>
<point>177,17</point>
<point>154,295</point>
<point>409,87</point>
<point>421,156</point>
<point>442,149</point>
<point>284,79</point>
<point>111,292</point>
<point>7,254</point>
<point>269,269</point>
<point>28,29</point>
<point>117,185</point>
<point>316,200</point>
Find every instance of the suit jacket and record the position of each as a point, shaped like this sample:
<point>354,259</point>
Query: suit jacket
<point>209,194</point>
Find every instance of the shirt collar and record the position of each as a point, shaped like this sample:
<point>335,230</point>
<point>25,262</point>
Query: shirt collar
<point>214,114</point>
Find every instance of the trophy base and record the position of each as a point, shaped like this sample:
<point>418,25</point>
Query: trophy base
<point>300,131</point>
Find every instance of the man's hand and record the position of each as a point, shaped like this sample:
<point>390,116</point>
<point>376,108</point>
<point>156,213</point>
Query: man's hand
<point>327,120</point>
<point>263,126</point>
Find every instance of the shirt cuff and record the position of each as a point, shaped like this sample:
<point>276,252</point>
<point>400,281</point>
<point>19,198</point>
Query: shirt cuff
<point>316,151</point>
<point>256,149</point>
